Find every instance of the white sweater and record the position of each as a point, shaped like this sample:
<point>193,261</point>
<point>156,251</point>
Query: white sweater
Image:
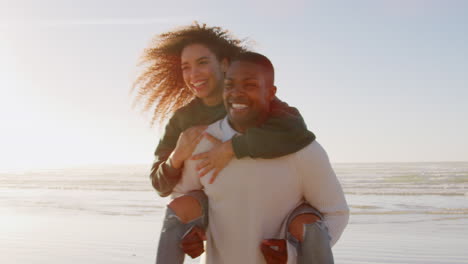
<point>251,199</point>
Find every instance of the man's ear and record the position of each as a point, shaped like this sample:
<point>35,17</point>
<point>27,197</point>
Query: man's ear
<point>224,65</point>
<point>272,92</point>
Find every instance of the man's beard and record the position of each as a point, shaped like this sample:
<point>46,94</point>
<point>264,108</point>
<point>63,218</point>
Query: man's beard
<point>252,119</point>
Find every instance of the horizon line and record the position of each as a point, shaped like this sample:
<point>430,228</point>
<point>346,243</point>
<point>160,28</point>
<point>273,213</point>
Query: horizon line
<point>91,165</point>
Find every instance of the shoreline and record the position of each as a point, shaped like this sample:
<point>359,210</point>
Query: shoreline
<point>58,236</point>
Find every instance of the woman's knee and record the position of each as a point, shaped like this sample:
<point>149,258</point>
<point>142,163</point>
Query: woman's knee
<point>297,225</point>
<point>187,208</point>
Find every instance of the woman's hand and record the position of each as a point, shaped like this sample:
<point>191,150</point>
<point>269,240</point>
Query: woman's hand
<point>215,159</point>
<point>274,251</point>
<point>186,144</point>
<point>192,243</point>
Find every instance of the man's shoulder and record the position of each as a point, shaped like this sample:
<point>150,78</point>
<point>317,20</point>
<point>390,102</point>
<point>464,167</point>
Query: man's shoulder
<point>312,151</point>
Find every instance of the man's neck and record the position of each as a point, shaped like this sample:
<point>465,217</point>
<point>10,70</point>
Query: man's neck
<point>241,128</point>
<point>238,128</point>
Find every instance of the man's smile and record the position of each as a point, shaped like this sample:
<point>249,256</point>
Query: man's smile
<point>238,105</point>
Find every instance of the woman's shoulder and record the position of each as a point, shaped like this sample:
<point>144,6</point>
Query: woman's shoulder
<point>189,109</point>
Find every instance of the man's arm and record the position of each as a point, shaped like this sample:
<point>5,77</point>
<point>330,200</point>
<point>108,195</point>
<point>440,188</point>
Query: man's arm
<point>321,188</point>
<point>284,132</point>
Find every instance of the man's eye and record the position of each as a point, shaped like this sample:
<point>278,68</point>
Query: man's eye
<point>203,62</point>
<point>184,68</point>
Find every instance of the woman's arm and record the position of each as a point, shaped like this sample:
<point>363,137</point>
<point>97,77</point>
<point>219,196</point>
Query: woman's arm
<point>283,133</point>
<point>163,176</point>
<point>173,149</point>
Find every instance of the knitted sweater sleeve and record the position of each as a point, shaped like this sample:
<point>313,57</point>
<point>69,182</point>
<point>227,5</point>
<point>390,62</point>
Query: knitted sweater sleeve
<point>163,176</point>
<point>283,133</point>
<point>322,189</point>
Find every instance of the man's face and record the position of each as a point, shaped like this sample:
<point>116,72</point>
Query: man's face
<point>202,72</point>
<point>247,95</point>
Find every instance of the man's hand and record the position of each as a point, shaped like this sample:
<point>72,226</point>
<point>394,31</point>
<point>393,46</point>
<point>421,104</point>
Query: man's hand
<point>192,243</point>
<point>215,159</point>
<point>186,144</point>
<point>274,251</point>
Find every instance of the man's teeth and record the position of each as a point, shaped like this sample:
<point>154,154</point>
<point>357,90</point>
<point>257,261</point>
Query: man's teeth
<point>239,106</point>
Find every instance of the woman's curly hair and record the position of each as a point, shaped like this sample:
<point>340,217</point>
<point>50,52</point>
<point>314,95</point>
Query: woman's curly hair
<point>160,87</point>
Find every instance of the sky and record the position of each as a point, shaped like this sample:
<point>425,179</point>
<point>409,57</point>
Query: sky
<point>375,80</point>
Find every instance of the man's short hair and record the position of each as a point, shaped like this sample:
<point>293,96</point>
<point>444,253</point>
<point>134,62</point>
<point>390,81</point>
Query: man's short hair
<point>259,59</point>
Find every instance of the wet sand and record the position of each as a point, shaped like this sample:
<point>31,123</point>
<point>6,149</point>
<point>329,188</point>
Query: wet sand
<point>50,236</point>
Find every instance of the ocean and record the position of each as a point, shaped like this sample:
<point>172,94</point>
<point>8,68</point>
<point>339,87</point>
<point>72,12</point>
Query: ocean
<point>400,213</point>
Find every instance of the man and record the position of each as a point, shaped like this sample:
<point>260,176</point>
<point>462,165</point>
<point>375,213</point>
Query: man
<point>255,204</point>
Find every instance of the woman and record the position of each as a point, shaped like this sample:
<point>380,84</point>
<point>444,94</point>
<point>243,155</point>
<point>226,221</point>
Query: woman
<point>184,78</point>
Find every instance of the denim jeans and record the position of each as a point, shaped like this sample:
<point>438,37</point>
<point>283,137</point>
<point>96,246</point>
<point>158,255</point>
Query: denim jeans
<point>315,249</point>
<point>174,230</point>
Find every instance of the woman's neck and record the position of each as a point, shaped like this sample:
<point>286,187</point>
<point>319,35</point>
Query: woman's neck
<point>213,100</point>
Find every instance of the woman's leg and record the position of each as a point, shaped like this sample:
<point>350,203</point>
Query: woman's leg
<point>182,215</point>
<point>309,235</point>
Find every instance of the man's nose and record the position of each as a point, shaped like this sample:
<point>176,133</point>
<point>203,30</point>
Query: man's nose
<point>236,90</point>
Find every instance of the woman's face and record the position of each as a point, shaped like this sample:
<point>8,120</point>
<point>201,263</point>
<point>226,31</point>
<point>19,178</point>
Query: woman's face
<point>203,73</point>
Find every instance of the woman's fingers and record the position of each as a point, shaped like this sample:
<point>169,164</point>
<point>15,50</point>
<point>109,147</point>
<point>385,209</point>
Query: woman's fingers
<point>203,155</point>
<point>207,169</point>
<point>197,140</point>
<point>199,232</point>
<point>214,175</point>
<point>274,250</point>
<point>279,244</point>
<point>212,139</point>
<point>202,164</point>
<point>194,132</point>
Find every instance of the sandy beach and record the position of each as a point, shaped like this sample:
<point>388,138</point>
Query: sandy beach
<point>69,238</point>
<point>114,217</point>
